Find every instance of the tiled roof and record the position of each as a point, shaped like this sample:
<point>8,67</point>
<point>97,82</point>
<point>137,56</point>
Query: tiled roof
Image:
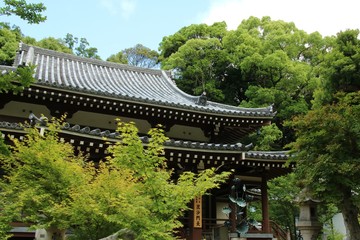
<point>87,131</point>
<point>95,141</point>
<point>276,155</point>
<point>153,86</point>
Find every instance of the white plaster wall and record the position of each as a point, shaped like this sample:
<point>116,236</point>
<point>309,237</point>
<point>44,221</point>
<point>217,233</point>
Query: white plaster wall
<point>105,121</point>
<point>187,132</point>
<point>23,110</point>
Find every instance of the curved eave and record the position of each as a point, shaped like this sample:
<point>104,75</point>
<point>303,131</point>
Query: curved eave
<point>112,136</point>
<point>255,113</point>
<point>66,72</point>
<point>108,136</point>
<point>179,154</point>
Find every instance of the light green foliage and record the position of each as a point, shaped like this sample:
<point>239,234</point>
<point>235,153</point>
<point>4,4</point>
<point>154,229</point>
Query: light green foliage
<point>140,56</point>
<point>31,12</point>
<point>52,44</point>
<point>39,175</point>
<point>171,44</point>
<point>16,80</point>
<point>198,60</point>
<point>266,138</point>
<point>118,58</point>
<point>9,43</point>
<point>196,54</point>
<point>49,186</point>
<point>261,63</point>
<point>4,149</point>
<point>164,198</point>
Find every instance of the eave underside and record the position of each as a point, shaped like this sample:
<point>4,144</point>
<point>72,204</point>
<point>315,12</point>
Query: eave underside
<point>221,128</point>
<point>182,158</point>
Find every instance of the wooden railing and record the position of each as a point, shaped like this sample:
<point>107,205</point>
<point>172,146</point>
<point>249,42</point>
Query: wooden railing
<point>278,231</point>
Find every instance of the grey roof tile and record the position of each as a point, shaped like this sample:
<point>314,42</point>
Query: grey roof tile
<point>67,71</point>
<point>87,131</point>
<point>276,155</point>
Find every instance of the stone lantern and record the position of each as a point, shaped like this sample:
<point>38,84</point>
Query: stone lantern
<point>308,223</point>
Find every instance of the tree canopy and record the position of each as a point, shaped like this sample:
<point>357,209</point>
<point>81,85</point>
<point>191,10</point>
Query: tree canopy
<point>138,55</point>
<point>31,12</point>
<point>327,155</point>
<point>327,137</point>
<point>9,40</point>
<point>261,63</point>
<point>49,186</point>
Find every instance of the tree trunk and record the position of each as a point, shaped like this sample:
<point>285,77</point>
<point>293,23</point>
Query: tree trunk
<point>350,212</point>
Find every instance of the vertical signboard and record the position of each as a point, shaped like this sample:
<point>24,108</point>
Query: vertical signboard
<point>198,212</point>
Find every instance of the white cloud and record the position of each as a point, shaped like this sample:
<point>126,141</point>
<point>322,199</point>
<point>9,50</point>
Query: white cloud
<point>326,16</point>
<point>124,7</point>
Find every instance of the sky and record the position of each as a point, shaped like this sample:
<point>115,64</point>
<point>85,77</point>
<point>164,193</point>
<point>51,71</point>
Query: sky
<point>114,25</point>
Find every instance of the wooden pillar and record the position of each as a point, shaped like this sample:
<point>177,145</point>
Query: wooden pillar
<point>233,214</point>
<point>196,219</point>
<point>265,206</point>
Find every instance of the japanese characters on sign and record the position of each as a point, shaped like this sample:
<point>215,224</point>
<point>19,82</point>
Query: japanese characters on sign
<point>198,212</point>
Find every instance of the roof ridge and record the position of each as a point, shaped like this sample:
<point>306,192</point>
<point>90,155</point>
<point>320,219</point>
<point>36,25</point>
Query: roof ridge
<point>49,52</point>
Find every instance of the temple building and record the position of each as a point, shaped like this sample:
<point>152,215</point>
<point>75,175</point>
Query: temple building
<point>202,133</point>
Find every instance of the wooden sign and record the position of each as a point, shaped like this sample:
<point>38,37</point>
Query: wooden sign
<point>197,212</point>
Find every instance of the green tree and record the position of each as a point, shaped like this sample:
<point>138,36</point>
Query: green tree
<point>81,48</point>
<point>31,12</point>
<point>49,186</point>
<point>327,157</point>
<point>9,40</point>
<point>84,50</point>
<point>195,53</point>
<point>9,43</point>
<point>16,80</point>
<point>141,56</point>
<point>40,174</point>
<point>52,44</point>
<point>266,138</point>
<point>339,70</point>
<point>118,58</point>
<point>198,61</point>
<point>282,193</point>
<point>273,58</point>
<point>171,44</point>
<point>158,202</point>
<point>262,62</point>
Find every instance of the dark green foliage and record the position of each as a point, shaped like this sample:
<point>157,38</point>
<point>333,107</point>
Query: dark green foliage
<point>327,155</point>
<point>340,70</point>
<point>282,193</point>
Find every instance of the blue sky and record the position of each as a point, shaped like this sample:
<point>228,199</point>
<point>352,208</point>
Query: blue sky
<point>113,25</point>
